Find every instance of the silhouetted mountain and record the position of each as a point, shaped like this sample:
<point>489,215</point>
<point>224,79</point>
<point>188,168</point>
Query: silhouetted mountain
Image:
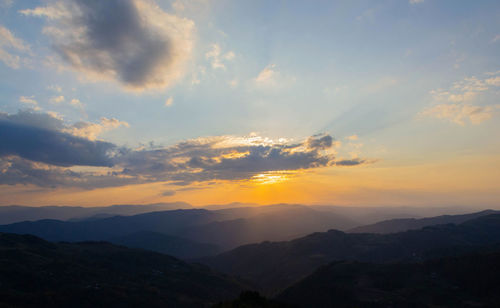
<point>167,222</point>
<point>274,223</point>
<point>15,213</point>
<point>277,222</point>
<point>36,273</point>
<point>466,281</point>
<point>167,244</point>
<point>275,265</point>
<point>364,215</point>
<point>404,224</point>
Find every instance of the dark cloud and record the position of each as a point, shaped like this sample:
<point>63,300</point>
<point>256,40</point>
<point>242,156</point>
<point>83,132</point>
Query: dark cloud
<point>131,41</point>
<point>195,161</point>
<point>168,193</point>
<point>43,154</point>
<point>51,146</point>
<point>320,142</point>
<point>350,162</point>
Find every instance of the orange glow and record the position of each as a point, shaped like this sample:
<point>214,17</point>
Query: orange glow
<point>472,180</point>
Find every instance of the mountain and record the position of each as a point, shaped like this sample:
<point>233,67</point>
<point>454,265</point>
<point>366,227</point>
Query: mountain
<point>167,244</point>
<point>167,222</point>
<point>275,265</point>
<point>274,223</point>
<point>226,228</point>
<point>404,224</point>
<point>465,281</point>
<point>36,273</point>
<point>364,215</point>
<point>15,213</point>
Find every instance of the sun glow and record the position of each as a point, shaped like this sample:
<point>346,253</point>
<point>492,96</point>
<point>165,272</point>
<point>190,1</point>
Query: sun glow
<point>271,177</point>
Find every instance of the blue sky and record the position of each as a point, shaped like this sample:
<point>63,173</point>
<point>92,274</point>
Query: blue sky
<point>396,83</point>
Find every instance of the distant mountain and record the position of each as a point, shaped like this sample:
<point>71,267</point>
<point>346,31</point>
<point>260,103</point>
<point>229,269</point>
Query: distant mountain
<point>226,228</point>
<point>15,213</point>
<point>404,224</point>
<point>466,281</point>
<point>275,265</point>
<point>36,273</point>
<point>273,223</point>
<point>167,244</point>
<point>364,215</point>
<point>166,222</point>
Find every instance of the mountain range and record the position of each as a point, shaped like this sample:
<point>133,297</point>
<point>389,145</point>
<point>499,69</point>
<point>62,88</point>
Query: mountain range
<point>226,229</point>
<point>273,266</point>
<point>453,261</point>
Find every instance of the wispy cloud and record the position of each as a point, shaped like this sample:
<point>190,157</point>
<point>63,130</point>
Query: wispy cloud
<point>271,77</point>
<point>30,101</point>
<point>57,99</point>
<point>13,49</point>
<point>461,102</point>
<point>169,102</point>
<point>132,42</point>
<point>495,39</point>
<point>217,58</point>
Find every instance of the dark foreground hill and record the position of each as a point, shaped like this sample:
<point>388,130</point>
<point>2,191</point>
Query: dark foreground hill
<point>466,281</point>
<point>405,224</point>
<point>274,266</point>
<point>36,273</point>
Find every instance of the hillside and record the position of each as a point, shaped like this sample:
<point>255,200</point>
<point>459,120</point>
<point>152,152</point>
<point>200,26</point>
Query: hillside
<point>275,223</point>
<point>404,224</point>
<point>36,273</point>
<point>276,265</point>
<point>167,244</point>
<point>467,281</point>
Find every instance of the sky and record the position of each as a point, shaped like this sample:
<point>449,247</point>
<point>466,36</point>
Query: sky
<point>389,102</point>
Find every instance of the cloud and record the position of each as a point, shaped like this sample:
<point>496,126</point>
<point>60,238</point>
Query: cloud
<point>464,101</point>
<point>169,101</point>
<point>90,130</point>
<point>352,137</point>
<point>41,149</point>
<point>55,88</point>
<point>350,162</point>
<point>459,113</point>
<point>271,78</point>
<point>233,83</point>
<point>29,100</point>
<point>57,99</point>
<point>215,56</point>
<point>76,103</point>
<point>415,1</point>
<point>495,39</point>
<point>168,193</point>
<point>133,42</point>
<point>10,47</point>
<point>267,76</point>
<point>45,145</point>
<point>319,142</point>
<point>226,158</point>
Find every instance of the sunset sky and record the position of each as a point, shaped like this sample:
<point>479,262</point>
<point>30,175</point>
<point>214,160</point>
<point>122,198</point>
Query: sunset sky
<point>389,102</point>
